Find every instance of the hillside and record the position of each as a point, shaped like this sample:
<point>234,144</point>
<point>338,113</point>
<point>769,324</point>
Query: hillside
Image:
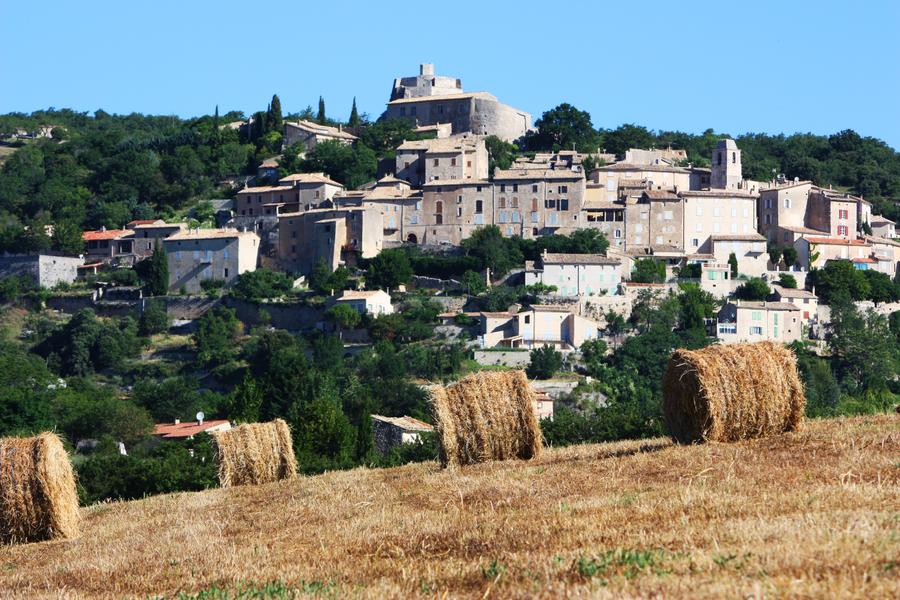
<point>807,514</point>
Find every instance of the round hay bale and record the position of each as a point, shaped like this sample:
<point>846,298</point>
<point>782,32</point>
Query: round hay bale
<point>487,415</point>
<point>38,499</point>
<point>254,453</point>
<point>732,392</point>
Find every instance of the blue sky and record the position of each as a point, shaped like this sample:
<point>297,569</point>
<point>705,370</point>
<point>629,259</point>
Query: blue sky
<point>734,66</point>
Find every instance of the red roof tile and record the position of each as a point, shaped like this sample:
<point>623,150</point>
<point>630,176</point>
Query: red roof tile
<point>109,234</point>
<point>184,430</point>
<point>835,241</point>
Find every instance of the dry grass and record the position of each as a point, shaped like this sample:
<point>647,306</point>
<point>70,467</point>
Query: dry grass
<point>732,392</point>
<point>486,416</point>
<point>38,500</point>
<point>806,514</point>
<point>255,453</point>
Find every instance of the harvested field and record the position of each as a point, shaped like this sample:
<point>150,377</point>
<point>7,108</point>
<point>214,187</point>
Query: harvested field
<point>808,514</point>
<point>254,453</point>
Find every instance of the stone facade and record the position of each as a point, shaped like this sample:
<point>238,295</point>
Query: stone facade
<point>457,157</point>
<point>575,274</point>
<point>146,236</point>
<point>759,321</point>
<point>334,235</point>
<point>209,254</point>
<point>726,166</point>
<point>716,212</point>
<point>309,134</point>
<point>45,270</point>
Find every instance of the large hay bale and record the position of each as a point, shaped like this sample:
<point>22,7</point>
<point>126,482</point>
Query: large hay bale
<point>255,453</point>
<point>486,416</point>
<point>38,500</point>
<point>732,392</point>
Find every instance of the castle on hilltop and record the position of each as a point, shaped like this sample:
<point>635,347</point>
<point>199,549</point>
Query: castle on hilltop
<point>432,100</point>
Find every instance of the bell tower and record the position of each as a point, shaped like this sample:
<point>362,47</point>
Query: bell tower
<point>726,166</point>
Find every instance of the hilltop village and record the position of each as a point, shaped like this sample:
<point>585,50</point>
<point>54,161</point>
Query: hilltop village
<point>334,302</point>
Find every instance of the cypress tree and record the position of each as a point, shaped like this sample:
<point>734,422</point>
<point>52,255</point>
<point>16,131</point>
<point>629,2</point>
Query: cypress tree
<point>354,115</point>
<point>276,121</point>
<point>321,116</point>
<point>158,273</point>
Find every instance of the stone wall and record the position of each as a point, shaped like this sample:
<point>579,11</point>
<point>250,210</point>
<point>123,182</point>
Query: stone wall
<point>46,270</point>
<point>511,358</point>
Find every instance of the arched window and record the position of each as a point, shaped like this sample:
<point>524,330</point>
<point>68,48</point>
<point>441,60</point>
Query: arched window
<point>502,202</point>
<point>439,207</point>
<point>515,202</point>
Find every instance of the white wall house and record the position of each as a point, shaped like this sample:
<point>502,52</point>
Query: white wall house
<point>758,322</point>
<point>541,325</point>
<point>377,302</point>
<point>576,274</point>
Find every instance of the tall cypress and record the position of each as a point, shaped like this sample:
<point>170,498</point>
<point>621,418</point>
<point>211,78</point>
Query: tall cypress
<point>276,121</point>
<point>321,116</point>
<point>354,115</point>
<point>158,273</point>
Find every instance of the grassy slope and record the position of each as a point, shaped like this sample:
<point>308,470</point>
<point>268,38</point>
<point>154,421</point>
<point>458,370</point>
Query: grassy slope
<point>809,514</point>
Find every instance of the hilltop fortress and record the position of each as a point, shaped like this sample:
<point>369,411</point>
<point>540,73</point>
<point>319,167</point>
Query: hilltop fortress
<point>433,100</point>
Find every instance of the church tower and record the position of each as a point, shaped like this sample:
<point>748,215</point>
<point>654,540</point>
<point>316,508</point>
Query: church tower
<point>726,166</point>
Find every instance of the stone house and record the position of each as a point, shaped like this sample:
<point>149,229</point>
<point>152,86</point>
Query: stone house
<point>45,269</point>
<point>749,250</point>
<point>611,180</point>
<point>309,134</point>
<point>538,326</point>
<point>195,255</point>
<point>883,227</point>
<point>759,321</point>
<point>374,302</point>
<point>333,235</point>
<point>393,198</point>
<point>448,212</point>
<point>147,234</point>
<point>575,274</point>
<point>806,301</point>
<point>390,432</point>
<point>532,203</point>
<point>815,251</point>
<point>782,210</point>
<point>458,157</point>
<point>715,278</point>
<point>606,217</point>
<point>109,245</point>
<point>710,213</point>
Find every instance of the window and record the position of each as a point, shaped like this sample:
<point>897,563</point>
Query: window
<point>453,162</point>
<point>509,231</point>
<point>768,219</point>
<point>695,242</point>
<point>563,189</point>
<point>733,212</point>
<point>734,228</point>
<point>515,187</point>
<point>842,230</point>
<point>516,216</point>
<point>459,199</point>
<point>469,164</point>
<point>534,204</point>
<point>503,216</point>
<point>502,202</point>
<point>728,328</point>
<point>439,219</point>
<point>459,211</point>
<point>716,227</point>
<point>225,253</point>
<point>550,203</point>
<point>745,213</point>
<point>699,227</point>
<point>534,188</point>
<point>699,211</point>
<point>414,220</point>
<point>439,207</point>
<point>502,187</point>
<point>514,203</point>
<point>527,319</point>
<point>842,214</point>
<point>787,202</point>
<point>437,162</point>
<point>617,233</point>
<point>418,205</point>
<point>717,212</point>
<point>479,207</point>
<point>226,272</point>
<point>534,216</point>
<point>734,157</point>
<point>402,111</point>
<point>610,185</point>
<point>479,219</point>
<point>668,215</point>
<point>756,330</point>
<point>756,315</point>
<point>712,275</point>
<point>563,204</point>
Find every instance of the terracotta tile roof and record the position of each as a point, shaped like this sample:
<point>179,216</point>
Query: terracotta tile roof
<point>792,292</point>
<point>440,145</point>
<point>831,241</point>
<point>308,178</point>
<point>109,234</point>
<point>207,234</point>
<point>264,189</point>
<point>185,430</point>
<point>442,97</point>
<point>766,305</point>
<point>317,129</point>
<point>866,260</point>
<point>718,194</point>
<point>549,308</point>
<point>745,237</point>
<point>536,174</point>
<point>661,195</point>
<point>622,166</point>
<point>405,422</point>
<point>137,222</point>
<point>159,225</point>
<point>456,182</point>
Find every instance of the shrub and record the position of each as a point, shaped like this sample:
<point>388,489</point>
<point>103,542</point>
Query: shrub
<point>545,362</point>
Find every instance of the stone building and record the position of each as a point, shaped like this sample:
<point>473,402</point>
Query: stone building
<point>333,235</point>
<point>309,134</point>
<point>575,274</point>
<point>448,212</point>
<point>759,321</point>
<point>109,245</point>
<point>146,236</point>
<point>196,255</point>
<point>532,203</point>
<point>726,166</point>
<point>45,269</point>
<point>390,432</point>
<point>716,212</point>
<point>431,100</point>
<point>536,327</point>
<point>393,198</point>
<point>749,250</point>
<point>457,157</point>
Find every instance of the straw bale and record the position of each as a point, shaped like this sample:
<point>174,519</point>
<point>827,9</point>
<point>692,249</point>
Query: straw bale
<point>255,453</point>
<point>732,392</point>
<point>38,500</point>
<point>487,415</point>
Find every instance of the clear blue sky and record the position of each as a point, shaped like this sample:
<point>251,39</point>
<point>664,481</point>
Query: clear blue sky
<point>760,66</point>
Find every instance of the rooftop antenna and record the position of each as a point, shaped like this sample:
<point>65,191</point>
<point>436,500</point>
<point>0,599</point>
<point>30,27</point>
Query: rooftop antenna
<point>200,417</point>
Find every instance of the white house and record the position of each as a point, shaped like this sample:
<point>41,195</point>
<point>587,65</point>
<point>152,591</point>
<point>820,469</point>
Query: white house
<point>806,301</point>
<point>541,325</point>
<point>758,322</point>
<point>576,274</point>
<point>377,302</point>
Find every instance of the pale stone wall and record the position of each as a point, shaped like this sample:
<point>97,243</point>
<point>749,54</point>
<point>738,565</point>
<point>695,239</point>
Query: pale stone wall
<point>706,216</point>
<point>45,270</point>
<point>222,258</point>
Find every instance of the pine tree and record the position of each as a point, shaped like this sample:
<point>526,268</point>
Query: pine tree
<point>276,121</point>
<point>158,272</point>
<point>354,115</point>
<point>321,116</point>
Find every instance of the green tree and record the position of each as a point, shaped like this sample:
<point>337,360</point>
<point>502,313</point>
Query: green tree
<point>154,318</point>
<point>564,128</point>
<point>881,287</point>
<point>545,362</point>
<point>275,120</point>
<point>320,116</point>
<point>789,253</point>
<point>323,436</point>
<point>473,282</point>
<point>648,270</point>
<point>786,280</point>
<point>754,288</point>
<point>343,316</point>
<point>389,270</point>
<point>351,165</point>
<point>493,251</point>
<point>156,274</point>
<point>733,263</point>
<point>863,347</point>
<point>839,278</point>
<point>500,154</point>
<point>354,115</point>
<point>215,336</point>
<point>261,284</point>
<point>66,238</point>
<point>775,254</point>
